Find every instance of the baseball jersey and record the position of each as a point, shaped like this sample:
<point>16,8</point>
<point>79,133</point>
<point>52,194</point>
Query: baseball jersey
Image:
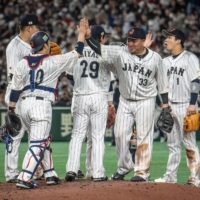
<point>139,77</point>
<point>181,70</point>
<point>46,74</point>
<point>19,48</point>
<point>90,74</point>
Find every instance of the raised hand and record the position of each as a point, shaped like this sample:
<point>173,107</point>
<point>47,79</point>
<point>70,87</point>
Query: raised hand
<point>148,40</point>
<point>82,27</point>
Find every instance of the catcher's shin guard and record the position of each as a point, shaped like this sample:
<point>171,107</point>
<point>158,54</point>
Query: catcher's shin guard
<point>32,159</point>
<point>47,164</point>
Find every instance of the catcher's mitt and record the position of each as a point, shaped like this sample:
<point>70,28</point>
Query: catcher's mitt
<point>165,120</point>
<point>13,124</point>
<point>55,49</point>
<point>111,116</point>
<point>191,122</point>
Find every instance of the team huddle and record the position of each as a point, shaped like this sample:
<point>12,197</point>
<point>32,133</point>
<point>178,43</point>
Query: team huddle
<point>33,70</point>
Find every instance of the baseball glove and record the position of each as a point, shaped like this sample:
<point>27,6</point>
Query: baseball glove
<point>191,122</point>
<point>13,124</point>
<point>111,116</point>
<point>55,49</point>
<point>165,120</point>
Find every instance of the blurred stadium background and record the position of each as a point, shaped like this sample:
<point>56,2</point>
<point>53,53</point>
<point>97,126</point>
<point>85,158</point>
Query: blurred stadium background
<point>117,17</point>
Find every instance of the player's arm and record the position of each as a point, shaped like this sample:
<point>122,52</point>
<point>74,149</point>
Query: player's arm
<point>164,98</point>
<point>195,87</point>
<point>193,65</point>
<point>108,53</point>
<point>148,40</point>
<point>71,79</point>
<point>111,109</point>
<point>81,28</point>
<point>162,82</point>
<point>68,60</point>
<point>14,97</point>
<point>16,86</point>
<point>110,94</point>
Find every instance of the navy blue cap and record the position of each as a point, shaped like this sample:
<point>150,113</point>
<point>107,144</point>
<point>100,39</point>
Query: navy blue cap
<point>175,32</point>
<point>98,31</point>
<point>30,19</point>
<point>137,33</point>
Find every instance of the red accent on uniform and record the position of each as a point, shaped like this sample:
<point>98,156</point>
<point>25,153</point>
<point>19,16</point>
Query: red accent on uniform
<point>132,31</point>
<point>32,44</point>
<point>172,30</point>
<point>10,68</point>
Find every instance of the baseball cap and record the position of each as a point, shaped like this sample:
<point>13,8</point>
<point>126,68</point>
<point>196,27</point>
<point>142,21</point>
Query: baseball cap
<point>38,40</point>
<point>175,32</point>
<point>136,32</point>
<point>30,19</point>
<point>98,31</point>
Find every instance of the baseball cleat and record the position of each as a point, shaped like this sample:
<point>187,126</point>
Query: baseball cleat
<point>138,179</point>
<point>13,179</point>
<point>52,180</point>
<point>193,184</point>
<point>27,185</point>
<point>100,179</point>
<point>117,176</point>
<point>70,176</point>
<point>162,180</point>
<point>190,184</point>
<point>89,177</point>
<point>39,178</point>
<point>80,174</point>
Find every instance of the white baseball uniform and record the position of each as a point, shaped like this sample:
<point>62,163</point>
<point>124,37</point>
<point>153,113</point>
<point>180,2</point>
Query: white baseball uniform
<point>139,78</point>
<point>88,162</point>
<point>38,80</point>
<point>92,81</point>
<point>181,71</point>
<point>15,51</point>
<point>89,159</point>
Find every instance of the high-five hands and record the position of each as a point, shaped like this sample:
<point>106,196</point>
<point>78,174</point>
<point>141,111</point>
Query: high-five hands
<point>83,26</point>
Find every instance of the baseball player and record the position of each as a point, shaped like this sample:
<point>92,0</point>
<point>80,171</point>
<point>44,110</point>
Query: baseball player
<point>139,70</point>
<point>16,49</point>
<point>89,159</point>
<point>91,85</point>
<point>183,74</point>
<point>36,78</point>
<point>88,163</point>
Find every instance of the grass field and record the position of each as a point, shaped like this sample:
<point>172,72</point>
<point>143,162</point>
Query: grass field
<point>60,155</point>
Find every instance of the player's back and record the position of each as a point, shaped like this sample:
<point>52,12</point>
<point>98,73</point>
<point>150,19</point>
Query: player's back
<point>42,70</point>
<point>15,51</point>
<point>90,74</point>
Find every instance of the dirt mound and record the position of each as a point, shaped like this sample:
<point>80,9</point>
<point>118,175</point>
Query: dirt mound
<point>108,190</point>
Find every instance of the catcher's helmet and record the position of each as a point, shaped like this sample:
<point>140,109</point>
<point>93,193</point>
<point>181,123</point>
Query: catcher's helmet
<point>38,40</point>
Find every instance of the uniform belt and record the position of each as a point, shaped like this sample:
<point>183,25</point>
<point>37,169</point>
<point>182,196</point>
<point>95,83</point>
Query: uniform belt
<point>37,98</point>
<point>178,102</point>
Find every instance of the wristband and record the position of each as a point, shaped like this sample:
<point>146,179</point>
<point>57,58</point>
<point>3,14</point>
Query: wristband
<point>79,47</point>
<point>110,106</point>
<point>11,109</point>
